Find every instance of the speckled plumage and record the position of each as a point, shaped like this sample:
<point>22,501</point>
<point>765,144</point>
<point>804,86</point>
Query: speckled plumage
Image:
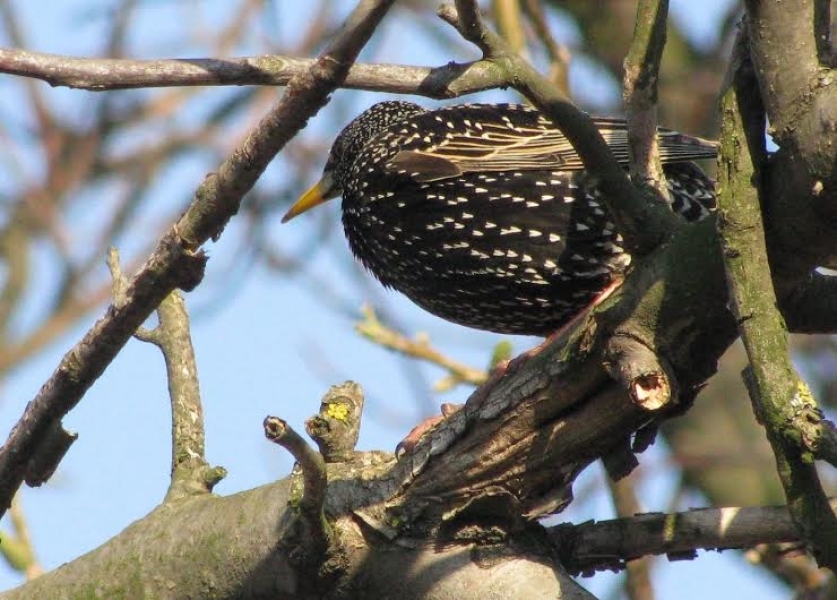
<point>484,214</point>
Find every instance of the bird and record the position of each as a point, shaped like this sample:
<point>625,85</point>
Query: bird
<point>484,214</point>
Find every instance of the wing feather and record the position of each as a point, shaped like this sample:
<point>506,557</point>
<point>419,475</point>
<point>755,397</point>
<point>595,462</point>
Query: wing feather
<point>489,138</point>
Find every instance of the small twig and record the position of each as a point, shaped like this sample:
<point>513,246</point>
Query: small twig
<point>372,329</point>
<point>314,478</point>
<point>559,54</point>
<point>604,545</point>
<point>642,68</point>
<point>17,548</point>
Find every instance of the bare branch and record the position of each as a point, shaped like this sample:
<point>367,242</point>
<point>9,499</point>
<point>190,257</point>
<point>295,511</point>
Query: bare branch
<point>607,544</point>
<point>643,225</point>
<point>372,329</point>
<point>191,474</point>
<point>642,69</point>
<point>177,261</point>
<point>103,74</point>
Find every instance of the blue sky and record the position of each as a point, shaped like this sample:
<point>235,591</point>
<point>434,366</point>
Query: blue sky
<point>266,346</point>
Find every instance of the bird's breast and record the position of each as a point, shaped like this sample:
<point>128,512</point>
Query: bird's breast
<point>514,252</point>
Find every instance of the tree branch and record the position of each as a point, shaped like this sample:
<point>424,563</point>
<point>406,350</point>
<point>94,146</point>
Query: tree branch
<point>178,261</point>
<point>642,224</point>
<point>190,472</point>
<point>105,74</point>
<point>601,545</point>
<point>781,400</point>
<point>639,92</point>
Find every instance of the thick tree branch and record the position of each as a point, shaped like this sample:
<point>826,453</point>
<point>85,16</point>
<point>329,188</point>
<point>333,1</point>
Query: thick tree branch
<point>178,261</point>
<point>781,400</point>
<point>247,538</point>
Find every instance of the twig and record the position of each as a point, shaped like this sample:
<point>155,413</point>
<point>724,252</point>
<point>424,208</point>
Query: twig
<point>314,478</point>
<point>17,548</point>
<point>642,69</point>
<point>190,473</point>
<point>606,545</point>
<point>781,400</point>
<point>559,54</point>
<point>177,260</point>
<point>372,329</point>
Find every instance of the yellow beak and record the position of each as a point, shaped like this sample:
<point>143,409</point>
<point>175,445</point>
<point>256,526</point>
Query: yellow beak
<point>323,191</point>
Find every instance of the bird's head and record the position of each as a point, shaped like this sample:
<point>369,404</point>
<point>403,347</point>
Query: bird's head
<point>345,150</point>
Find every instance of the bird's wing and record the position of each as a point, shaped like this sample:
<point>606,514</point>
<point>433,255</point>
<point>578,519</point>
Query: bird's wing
<point>490,138</point>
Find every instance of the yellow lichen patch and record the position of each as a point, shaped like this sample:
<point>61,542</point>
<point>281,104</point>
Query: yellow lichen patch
<point>338,411</point>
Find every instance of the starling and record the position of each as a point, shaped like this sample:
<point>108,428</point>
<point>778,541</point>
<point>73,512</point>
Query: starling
<point>484,215</point>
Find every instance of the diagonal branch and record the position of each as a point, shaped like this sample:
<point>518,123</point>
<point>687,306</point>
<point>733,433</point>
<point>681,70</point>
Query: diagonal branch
<point>643,225</point>
<point>178,261</point>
